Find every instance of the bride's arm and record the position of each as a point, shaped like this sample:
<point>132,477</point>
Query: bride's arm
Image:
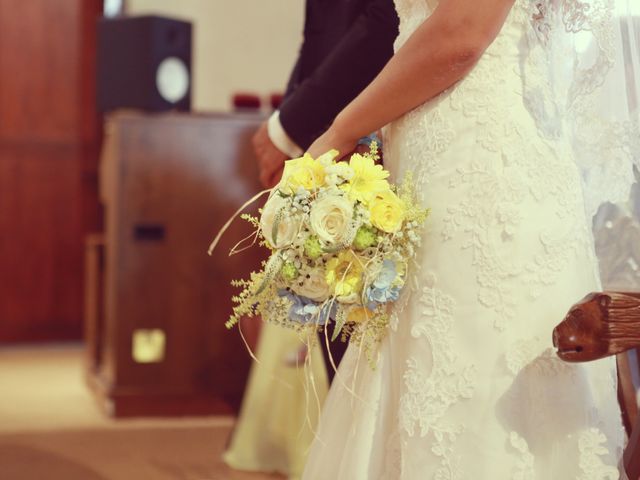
<point>438,54</point>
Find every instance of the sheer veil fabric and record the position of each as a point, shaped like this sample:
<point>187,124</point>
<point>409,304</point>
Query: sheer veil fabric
<point>513,161</point>
<point>582,79</point>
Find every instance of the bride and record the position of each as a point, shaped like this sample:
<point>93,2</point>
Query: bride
<point>492,115</point>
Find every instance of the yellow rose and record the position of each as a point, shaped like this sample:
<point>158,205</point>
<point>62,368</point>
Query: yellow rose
<point>344,276</point>
<point>302,172</point>
<point>387,211</point>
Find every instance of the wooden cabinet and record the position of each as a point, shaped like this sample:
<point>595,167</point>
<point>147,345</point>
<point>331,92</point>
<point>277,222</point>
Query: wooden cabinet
<point>169,182</point>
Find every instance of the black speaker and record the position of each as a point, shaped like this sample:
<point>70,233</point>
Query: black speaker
<point>144,63</point>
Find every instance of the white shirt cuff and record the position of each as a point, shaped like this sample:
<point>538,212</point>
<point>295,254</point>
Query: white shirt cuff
<point>280,138</point>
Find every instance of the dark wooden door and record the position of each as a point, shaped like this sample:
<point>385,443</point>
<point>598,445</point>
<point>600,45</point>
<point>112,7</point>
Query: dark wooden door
<point>49,140</point>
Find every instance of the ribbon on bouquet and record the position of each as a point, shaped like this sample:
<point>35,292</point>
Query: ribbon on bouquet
<point>226,226</point>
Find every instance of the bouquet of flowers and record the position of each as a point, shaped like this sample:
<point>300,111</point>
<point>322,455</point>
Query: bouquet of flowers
<point>341,239</point>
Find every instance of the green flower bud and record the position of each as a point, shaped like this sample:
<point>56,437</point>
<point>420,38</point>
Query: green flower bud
<point>365,237</point>
<point>289,272</point>
<point>312,248</point>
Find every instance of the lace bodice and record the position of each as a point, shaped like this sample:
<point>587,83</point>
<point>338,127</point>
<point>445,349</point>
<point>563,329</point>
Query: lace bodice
<point>411,14</point>
<point>569,59</point>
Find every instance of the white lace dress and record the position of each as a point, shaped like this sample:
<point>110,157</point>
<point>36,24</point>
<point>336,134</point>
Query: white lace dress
<point>467,384</point>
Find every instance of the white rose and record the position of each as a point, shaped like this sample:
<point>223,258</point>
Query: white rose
<point>331,219</point>
<point>314,287</point>
<point>340,169</point>
<point>288,225</point>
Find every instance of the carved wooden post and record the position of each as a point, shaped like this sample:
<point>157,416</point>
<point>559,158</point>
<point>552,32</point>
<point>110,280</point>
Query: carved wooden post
<point>601,325</point>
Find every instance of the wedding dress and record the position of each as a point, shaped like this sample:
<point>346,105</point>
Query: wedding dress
<point>467,384</point>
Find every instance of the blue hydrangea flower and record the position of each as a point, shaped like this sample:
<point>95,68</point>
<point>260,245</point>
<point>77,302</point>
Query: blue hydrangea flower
<point>382,289</point>
<point>304,310</point>
<point>369,139</point>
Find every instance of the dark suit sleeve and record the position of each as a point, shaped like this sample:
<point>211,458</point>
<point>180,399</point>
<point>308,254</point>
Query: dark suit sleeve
<point>293,78</point>
<point>355,61</point>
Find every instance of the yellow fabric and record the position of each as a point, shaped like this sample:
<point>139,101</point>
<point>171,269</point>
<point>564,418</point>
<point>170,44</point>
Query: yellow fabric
<point>280,409</point>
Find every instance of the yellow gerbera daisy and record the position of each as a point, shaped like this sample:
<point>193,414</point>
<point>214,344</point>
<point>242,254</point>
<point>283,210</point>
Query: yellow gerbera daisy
<point>368,179</point>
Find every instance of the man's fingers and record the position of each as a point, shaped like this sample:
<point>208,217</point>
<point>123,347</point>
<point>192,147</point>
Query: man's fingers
<point>265,178</point>
<point>268,162</point>
<point>275,178</point>
<point>273,163</point>
<point>268,173</point>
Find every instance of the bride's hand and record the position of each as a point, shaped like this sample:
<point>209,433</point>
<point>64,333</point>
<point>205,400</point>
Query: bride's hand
<point>330,140</point>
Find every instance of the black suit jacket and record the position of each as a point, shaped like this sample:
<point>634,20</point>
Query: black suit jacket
<point>346,44</point>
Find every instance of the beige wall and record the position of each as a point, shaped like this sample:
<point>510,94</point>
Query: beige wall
<point>247,45</point>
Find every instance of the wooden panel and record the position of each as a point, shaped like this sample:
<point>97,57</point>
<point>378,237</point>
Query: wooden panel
<point>90,132</point>
<point>49,142</point>
<point>40,244</point>
<point>47,60</point>
<point>39,55</point>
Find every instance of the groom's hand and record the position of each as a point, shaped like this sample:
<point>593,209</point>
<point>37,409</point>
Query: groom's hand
<point>270,159</point>
<point>275,178</point>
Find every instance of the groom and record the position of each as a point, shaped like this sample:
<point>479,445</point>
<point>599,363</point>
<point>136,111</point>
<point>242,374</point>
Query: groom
<point>346,44</point>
